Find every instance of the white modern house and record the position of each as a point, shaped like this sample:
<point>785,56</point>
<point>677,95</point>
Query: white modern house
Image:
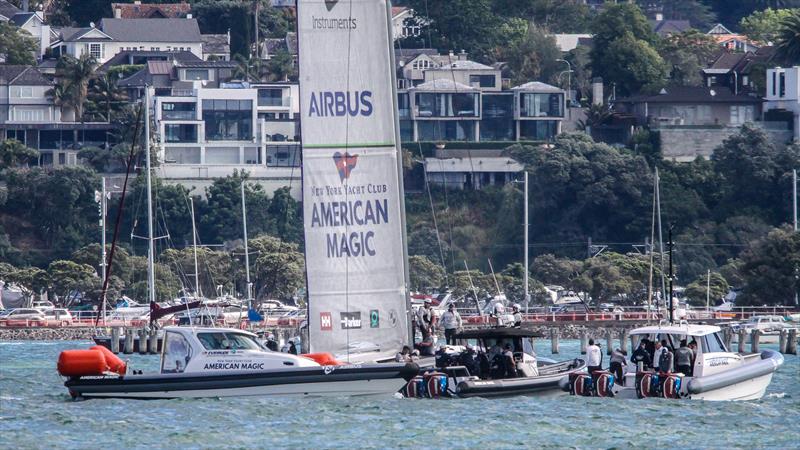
<point>33,23</point>
<point>783,94</point>
<point>115,35</point>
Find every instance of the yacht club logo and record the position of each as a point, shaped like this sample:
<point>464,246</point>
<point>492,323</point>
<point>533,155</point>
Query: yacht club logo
<point>330,4</point>
<point>345,163</point>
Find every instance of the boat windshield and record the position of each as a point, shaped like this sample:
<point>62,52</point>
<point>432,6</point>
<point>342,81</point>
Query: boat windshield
<point>177,353</point>
<point>227,341</point>
<point>712,343</point>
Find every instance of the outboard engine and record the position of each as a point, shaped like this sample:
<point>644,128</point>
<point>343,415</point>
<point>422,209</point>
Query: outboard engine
<point>646,384</point>
<point>580,384</point>
<point>415,388</point>
<point>603,383</point>
<point>435,385</point>
<point>671,385</point>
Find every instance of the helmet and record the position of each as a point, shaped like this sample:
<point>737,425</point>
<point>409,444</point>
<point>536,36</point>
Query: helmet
<point>428,301</point>
<point>517,306</point>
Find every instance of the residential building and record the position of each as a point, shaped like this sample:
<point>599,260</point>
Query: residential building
<point>28,114</point>
<point>139,10</point>
<point>404,23</point>
<point>466,171</point>
<point>665,27</point>
<point>272,46</point>
<point>217,46</point>
<point>783,96</point>
<point>692,121</point>
<point>739,71</point>
<point>7,11</point>
<point>732,41</point>
<point>115,35</point>
<point>33,23</point>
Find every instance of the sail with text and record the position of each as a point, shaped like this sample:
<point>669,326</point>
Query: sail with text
<point>352,188</point>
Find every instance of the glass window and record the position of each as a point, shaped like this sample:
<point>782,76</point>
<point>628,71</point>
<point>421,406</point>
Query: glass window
<point>16,134</point>
<point>270,97</point>
<point>497,117</point>
<point>229,120</point>
<point>178,111</point>
<point>712,343</point>
<point>174,132</point>
<point>403,105</point>
<point>447,105</point>
<point>283,156</point>
<point>541,105</point>
<point>782,84</point>
<point>537,130</point>
<point>96,50</point>
<point>197,74</point>
<point>177,353</point>
<point>406,131</point>
<point>227,341</point>
<point>446,130</point>
<point>252,155</point>
<point>182,155</point>
<point>482,80</point>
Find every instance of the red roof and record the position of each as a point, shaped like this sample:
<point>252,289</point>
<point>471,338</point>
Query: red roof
<point>396,10</point>
<point>150,10</point>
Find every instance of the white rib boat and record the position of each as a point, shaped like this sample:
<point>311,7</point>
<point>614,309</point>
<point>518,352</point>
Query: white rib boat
<point>717,373</point>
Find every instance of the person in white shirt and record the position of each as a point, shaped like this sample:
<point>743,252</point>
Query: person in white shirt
<point>594,357</point>
<point>660,348</point>
<point>451,322</point>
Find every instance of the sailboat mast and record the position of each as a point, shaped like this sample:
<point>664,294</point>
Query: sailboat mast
<point>197,291</point>
<point>246,251</point>
<point>527,291</point>
<point>151,282</point>
<point>103,258</point>
<point>660,233</point>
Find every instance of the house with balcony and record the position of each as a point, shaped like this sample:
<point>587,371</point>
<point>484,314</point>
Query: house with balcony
<point>28,114</point>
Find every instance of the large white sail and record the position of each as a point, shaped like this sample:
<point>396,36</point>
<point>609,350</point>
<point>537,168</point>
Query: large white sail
<point>352,204</point>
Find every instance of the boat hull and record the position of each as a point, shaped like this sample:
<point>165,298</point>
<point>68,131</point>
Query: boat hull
<point>548,385</point>
<point>313,381</point>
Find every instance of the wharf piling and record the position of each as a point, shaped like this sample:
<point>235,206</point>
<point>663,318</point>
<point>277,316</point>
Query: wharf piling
<point>128,346</point>
<point>791,343</point>
<point>782,338</point>
<point>115,340</point>
<point>142,332</point>
<point>554,341</point>
<point>754,338</point>
<point>584,341</point>
<point>727,337</point>
<point>623,340</point>
<point>152,342</point>
<point>742,337</point>
<point>609,342</point>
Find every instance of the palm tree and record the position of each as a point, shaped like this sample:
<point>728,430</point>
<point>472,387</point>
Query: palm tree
<point>62,96</point>
<point>249,69</point>
<point>105,92</point>
<point>596,115</point>
<point>77,72</point>
<point>788,41</point>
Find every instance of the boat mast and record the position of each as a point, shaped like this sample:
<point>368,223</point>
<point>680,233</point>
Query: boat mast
<point>151,283</point>
<point>246,251</point>
<point>708,289</point>
<point>671,276</point>
<point>527,230</point>
<point>103,257</point>
<point>660,233</point>
<point>197,291</point>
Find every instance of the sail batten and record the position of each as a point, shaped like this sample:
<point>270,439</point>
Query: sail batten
<point>352,190</point>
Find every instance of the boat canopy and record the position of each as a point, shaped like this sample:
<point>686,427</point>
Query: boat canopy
<point>687,329</point>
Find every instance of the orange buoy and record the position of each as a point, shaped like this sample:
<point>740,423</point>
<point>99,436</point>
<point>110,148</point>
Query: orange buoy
<point>323,359</point>
<point>78,363</point>
<point>115,364</point>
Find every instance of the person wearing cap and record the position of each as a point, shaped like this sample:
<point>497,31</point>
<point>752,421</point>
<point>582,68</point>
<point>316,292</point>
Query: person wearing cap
<point>272,344</point>
<point>451,322</point>
<point>517,314</point>
<point>425,319</point>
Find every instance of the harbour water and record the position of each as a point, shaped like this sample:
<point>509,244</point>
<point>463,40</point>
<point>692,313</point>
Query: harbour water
<point>36,412</point>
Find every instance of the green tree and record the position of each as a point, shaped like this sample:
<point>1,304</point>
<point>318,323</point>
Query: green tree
<point>769,269</point>
<point>121,266</point>
<point>281,67</point>
<point>696,291</point>
<point>471,25</point>
<point>249,69</point>
<point>278,268</point>
<point>220,218</point>
<point>18,46</point>
<point>424,273</point>
<point>214,268</point>
<point>167,283</point>
<point>534,57</point>
<point>788,39</point>
<point>633,65</point>
<point>686,55</point>
<point>559,16</point>
<point>550,269</point>
<point>63,96</point>
<point>581,78</point>
<point>756,174</point>
<point>284,215</point>
<point>105,96</point>
<point>31,280</point>
<point>14,153</point>
<point>77,73</point>
<point>765,25</point>
<point>69,279</point>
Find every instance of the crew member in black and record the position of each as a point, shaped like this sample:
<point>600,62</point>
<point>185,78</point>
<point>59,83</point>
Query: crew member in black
<point>641,355</point>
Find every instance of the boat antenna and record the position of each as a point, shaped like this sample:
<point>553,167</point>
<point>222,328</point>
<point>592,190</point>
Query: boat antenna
<point>474,291</point>
<point>671,275</point>
<point>496,284</point>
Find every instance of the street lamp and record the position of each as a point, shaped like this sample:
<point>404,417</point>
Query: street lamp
<point>569,78</point>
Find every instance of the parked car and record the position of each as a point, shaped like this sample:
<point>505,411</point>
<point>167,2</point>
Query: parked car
<point>58,316</point>
<point>43,305</point>
<point>28,316</point>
